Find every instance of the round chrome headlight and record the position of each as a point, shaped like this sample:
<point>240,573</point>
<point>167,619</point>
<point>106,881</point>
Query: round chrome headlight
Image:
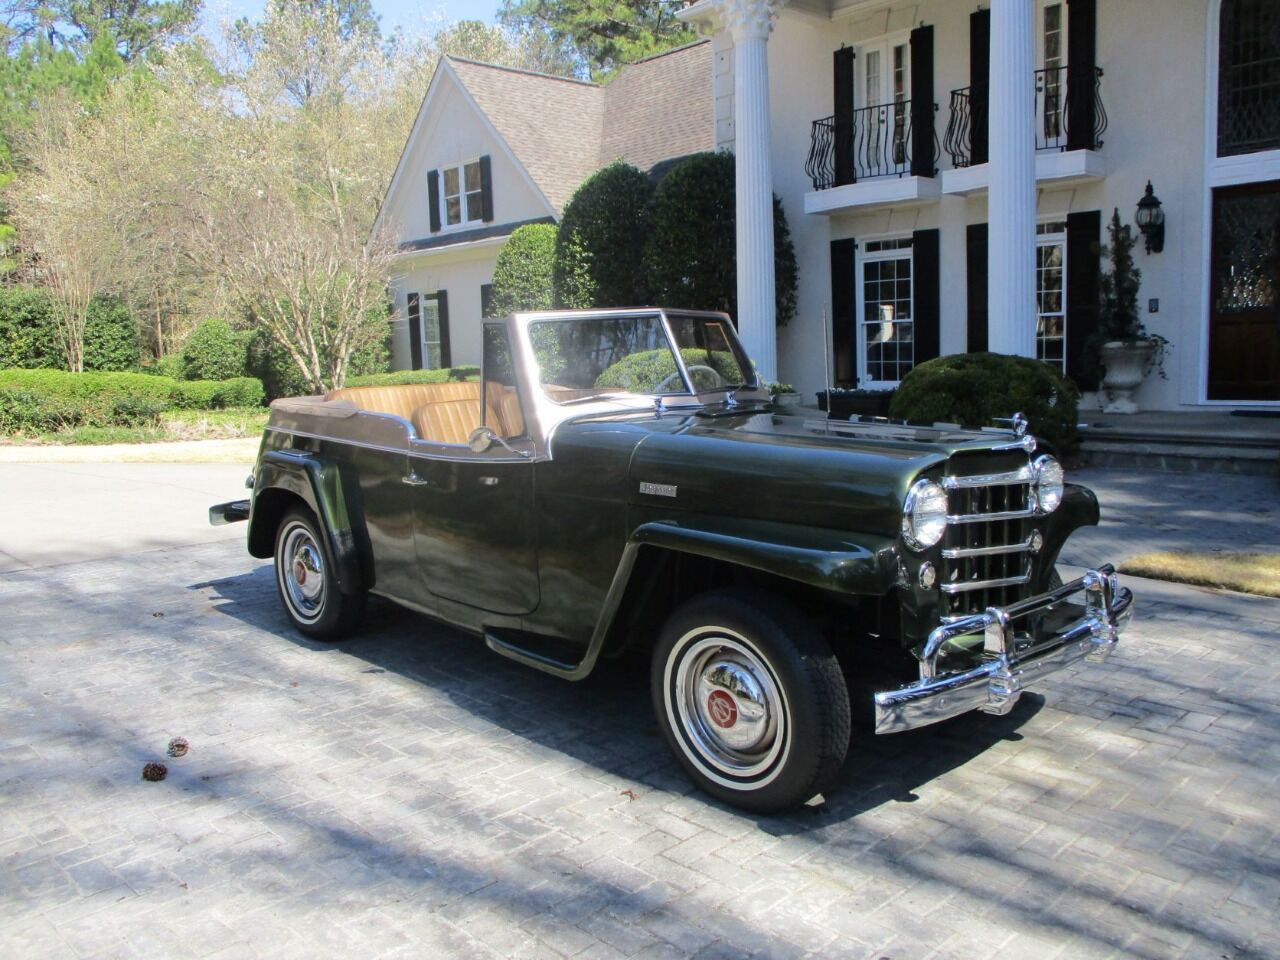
<point>924,515</point>
<point>1046,480</point>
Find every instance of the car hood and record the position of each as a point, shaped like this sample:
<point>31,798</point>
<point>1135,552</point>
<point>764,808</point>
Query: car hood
<point>757,464</point>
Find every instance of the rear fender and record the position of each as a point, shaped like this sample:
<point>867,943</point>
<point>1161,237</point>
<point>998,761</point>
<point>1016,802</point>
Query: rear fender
<point>285,477</point>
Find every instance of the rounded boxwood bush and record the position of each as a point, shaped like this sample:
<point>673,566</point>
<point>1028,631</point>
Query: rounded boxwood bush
<point>973,389</point>
<point>600,241</point>
<point>644,372</point>
<point>112,340</point>
<point>214,351</point>
<point>522,276</point>
<point>691,254</point>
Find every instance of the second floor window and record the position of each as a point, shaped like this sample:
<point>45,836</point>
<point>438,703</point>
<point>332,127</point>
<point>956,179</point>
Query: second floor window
<point>1248,77</point>
<point>462,194</point>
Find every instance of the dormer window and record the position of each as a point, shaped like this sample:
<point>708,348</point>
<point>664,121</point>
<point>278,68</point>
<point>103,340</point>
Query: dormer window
<point>460,195</point>
<point>463,195</point>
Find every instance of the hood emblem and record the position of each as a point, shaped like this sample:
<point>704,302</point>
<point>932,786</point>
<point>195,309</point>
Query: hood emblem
<point>658,489</point>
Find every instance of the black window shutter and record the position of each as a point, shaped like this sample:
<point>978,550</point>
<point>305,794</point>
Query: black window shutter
<point>433,199</point>
<point>844,322</point>
<point>442,298</point>
<point>842,118</point>
<point>486,188</point>
<point>979,83</point>
<point>486,301</point>
<point>922,152</point>
<point>1082,58</point>
<point>926,300</point>
<point>1084,239</point>
<point>976,275</point>
<point>415,332</point>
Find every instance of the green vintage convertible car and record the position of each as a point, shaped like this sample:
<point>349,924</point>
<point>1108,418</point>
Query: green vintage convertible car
<point>620,479</point>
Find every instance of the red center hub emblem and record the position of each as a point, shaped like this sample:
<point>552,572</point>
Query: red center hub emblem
<point>721,709</point>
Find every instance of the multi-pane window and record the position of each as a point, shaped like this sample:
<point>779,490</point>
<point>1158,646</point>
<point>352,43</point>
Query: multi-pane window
<point>1248,77</point>
<point>885,311</point>
<point>880,140</point>
<point>462,196</point>
<point>1051,80</point>
<point>432,344</point>
<point>1051,292</point>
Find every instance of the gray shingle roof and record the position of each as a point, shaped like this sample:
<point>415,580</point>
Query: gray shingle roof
<point>563,130</point>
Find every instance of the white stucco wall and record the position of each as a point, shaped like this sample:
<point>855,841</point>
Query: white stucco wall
<point>460,273</point>
<point>1154,94</point>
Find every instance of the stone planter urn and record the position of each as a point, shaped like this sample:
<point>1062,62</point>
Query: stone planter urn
<point>1126,364</point>
<point>786,401</point>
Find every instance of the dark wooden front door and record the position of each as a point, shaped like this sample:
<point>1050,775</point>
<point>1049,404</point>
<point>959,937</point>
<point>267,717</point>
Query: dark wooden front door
<point>1244,294</point>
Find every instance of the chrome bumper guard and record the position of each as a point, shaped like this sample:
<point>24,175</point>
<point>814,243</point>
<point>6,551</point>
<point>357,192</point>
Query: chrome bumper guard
<point>1013,658</point>
<point>224,513</point>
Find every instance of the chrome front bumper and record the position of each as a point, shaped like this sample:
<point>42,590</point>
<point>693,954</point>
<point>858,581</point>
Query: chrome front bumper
<point>1012,659</point>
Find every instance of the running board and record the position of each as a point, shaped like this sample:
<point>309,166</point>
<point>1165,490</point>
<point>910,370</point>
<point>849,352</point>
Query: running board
<point>523,648</point>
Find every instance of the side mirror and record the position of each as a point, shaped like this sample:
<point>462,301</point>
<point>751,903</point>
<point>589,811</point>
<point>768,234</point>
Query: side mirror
<point>481,439</point>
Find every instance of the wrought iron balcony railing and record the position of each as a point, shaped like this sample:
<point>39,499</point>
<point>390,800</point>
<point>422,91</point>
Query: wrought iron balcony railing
<point>876,142</point>
<point>1069,116</point>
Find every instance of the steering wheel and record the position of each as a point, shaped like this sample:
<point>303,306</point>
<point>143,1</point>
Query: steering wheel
<point>716,380</point>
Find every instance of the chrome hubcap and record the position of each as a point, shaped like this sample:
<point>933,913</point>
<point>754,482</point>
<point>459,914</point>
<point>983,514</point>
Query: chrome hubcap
<point>729,705</point>
<point>302,572</point>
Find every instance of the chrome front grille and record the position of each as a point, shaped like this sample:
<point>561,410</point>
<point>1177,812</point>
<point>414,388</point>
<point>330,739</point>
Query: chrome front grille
<point>986,551</point>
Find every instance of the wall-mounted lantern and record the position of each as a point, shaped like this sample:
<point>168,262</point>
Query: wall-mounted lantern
<point>1150,220</point>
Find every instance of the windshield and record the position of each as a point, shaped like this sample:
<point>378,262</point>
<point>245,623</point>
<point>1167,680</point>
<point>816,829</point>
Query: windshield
<point>595,357</point>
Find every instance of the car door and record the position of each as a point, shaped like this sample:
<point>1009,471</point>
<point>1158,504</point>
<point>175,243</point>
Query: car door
<point>474,522</point>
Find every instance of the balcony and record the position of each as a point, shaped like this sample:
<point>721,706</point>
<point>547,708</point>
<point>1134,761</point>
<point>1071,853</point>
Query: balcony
<point>1070,122</point>
<point>870,160</point>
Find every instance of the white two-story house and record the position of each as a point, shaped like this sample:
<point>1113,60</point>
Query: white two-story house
<point>948,169</point>
<point>493,148</point>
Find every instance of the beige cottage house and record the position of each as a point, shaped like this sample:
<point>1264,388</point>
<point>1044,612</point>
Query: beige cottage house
<point>493,148</point>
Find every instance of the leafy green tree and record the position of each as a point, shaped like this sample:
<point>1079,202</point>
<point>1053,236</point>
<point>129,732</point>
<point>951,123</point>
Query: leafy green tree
<point>522,277</point>
<point>134,27</point>
<point>691,256</point>
<point>214,351</point>
<point>600,35</point>
<point>111,340</point>
<point>600,240</point>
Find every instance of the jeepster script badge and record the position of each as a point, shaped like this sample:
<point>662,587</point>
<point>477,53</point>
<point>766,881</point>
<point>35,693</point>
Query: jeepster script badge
<point>658,489</point>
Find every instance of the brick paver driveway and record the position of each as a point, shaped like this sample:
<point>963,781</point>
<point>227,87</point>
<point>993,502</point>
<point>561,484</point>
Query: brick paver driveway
<point>411,794</point>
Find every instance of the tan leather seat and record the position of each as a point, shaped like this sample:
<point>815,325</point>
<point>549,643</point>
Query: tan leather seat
<point>447,421</point>
<point>502,411</point>
<point>403,400</point>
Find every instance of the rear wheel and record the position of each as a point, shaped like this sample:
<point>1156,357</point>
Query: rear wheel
<point>307,582</point>
<point>750,699</point>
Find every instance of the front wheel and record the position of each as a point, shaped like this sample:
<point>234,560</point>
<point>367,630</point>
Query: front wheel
<point>750,699</point>
<point>307,583</point>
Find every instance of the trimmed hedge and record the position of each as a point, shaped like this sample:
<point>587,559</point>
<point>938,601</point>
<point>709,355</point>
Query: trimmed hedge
<point>44,400</point>
<point>112,340</point>
<point>600,240</point>
<point>973,389</point>
<point>522,274</point>
<point>215,351</point>
<point>645,372</point>
<point>30,338</point>
<point>399,377</point>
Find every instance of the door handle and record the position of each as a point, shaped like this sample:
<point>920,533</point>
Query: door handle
<point>414,480</point>
<point>488,481</point>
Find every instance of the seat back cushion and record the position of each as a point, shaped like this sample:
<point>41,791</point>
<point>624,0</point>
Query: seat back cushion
<point>404,399</point>
<point>447,421</point>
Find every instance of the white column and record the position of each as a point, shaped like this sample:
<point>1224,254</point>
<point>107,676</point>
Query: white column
<point>1012,177</point>
<point>750,22</point>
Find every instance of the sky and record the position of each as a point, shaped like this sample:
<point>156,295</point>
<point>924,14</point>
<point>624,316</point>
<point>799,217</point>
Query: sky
<point>411,15</point>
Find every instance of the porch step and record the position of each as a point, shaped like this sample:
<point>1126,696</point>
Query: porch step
<point>1183,442</point>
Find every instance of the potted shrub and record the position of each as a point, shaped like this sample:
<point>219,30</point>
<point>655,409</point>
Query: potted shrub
<point>784,395</point>
<point>1123,348</point>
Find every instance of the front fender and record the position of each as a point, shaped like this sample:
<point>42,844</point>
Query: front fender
<point>829,559</point>
<point>1079,508</point>
<point>283,476</point>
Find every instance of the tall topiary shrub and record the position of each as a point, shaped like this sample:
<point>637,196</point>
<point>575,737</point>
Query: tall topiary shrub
<point>599,258</point>
<point>690,254</point>
<point>974,389</point>
<point>214,351</point>
<point>28,334</point>
<point>522,277</point>
<point>112,340</point>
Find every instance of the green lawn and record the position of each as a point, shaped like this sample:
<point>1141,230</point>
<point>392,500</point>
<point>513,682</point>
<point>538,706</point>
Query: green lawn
<point>172,425</point>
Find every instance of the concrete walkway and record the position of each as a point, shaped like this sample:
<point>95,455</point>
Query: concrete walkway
<point>55,513</point>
